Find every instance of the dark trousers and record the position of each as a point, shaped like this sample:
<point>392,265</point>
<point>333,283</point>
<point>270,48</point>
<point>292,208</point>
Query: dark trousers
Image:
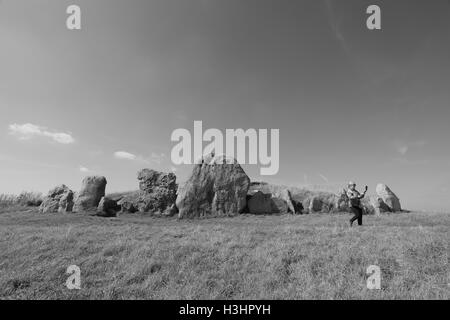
<point>358,213</point>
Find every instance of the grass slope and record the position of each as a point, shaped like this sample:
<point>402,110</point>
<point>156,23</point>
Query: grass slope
<point>247,257</point>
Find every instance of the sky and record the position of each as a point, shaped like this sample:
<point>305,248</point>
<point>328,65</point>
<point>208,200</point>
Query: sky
<point>350,103</point>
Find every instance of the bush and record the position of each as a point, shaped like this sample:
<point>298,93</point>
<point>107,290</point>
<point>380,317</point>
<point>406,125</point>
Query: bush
<point>26,199</point>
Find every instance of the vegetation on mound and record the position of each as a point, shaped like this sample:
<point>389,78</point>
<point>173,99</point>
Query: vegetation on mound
<point>28,199</point>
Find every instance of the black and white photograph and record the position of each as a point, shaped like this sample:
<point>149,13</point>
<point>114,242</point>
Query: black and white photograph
<point>224,150</point>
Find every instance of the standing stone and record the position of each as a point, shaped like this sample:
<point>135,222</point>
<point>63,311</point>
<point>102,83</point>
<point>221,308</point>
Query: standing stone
<point>388,197</point>
<point>260,203</point>
<point>129,203</point>
<point>158,192</point>
<point>298,207</point>
<point>92,191</point>
<point>216,187</point>
<point>379,205</point>
<point>315,205</point>
<point>285,195</point>
<point>281,197</point>
<point>279,205</point>
<point>66,202</point>
<point>107,208</point>
<point>59,199</point>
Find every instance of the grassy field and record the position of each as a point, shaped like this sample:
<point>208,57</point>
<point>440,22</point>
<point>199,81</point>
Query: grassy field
<point>313,256</point>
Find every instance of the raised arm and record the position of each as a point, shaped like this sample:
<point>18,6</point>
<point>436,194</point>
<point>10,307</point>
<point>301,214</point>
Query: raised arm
<point>364,193</point>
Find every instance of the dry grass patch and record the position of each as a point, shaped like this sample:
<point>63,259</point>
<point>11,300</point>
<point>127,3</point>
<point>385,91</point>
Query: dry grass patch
<point>246,257</point>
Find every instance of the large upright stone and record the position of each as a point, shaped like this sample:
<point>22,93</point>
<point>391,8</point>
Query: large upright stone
<point>158,192</point>
<point>379,205</point>
<point>92,191</point>
<point>66,202</point>
<point>58,199</point>
<point>149,180</point>
<point>218,186</point>
<point>281,198</point>
<point>286,197</point>
<point>388,197</point>
<point>107,208</point>
<point>129,202</point>
<point>260,203</point>
<point>315,205</point>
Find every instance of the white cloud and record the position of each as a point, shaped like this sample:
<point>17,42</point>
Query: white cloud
<point>154,158</point>
<point>84,169</point>
<point>27,131</point>
<point>124,155</point>
<point>403,147</point>
<point>60,137</point>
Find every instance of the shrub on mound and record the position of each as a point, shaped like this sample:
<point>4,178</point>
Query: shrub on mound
<point>28,199</point>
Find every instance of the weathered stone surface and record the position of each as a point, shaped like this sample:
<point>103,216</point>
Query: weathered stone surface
<point>379,205</point>
<point>158,192</point>
<point>66,202</point>
<point>260,203</point>
<point>279,205</point>
<point>286,196</point>
<point>218,187</point>
<point>321,201</point>
<point>107,208</point>
<point>129,203</point>
<point>156,202</point>
<point>315,205</point>
<point>59,199</point>
<point>388,197</point>
<point>152,179</point>
<point>298,207</point>
<point>92,191</point>
<point>282,201</point>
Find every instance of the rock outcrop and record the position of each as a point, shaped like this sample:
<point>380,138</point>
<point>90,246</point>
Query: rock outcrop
<point>298,206</point>
<point>129,203</point>
<point>59,199</point>
<point>279,206</point>
<point>92,191</point>
<point>315,205</point>
<point>286,197</point>
<point>260,203</point>
<point>107,208</point>
<point>379,205</point>
<point>217,186</point>
<point>66,202</point>
<point>388,197</point>
<point>158,192</point>
<point>281,198</point>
